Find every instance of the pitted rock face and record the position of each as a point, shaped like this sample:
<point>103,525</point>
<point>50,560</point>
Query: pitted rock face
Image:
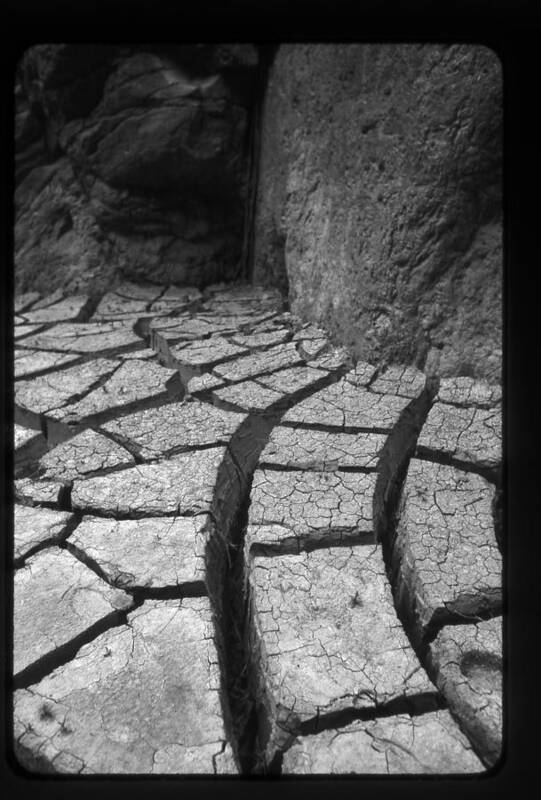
<point>235,548</point>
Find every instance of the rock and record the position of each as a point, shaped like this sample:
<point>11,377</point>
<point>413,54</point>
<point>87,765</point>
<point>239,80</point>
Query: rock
<point>118,129</point>
<point>90,337</point>
<point>141,698</point>
<point>85,454</point>
<point>280,356</point>
<point>70,308</point>
<point>467,662</point>
<point>313,503</point>
<point>153,553</point>
<point>40,395</point>
<point>445,554</point>
<point>309,449</point>
<point>56,601</point>
<point>35,528</point>
<point>133,382</point>
<point>325,638</point>
<point>466,436</point>
<point>174,427</point>
<point>345,405</point>
<point>183,484</point>
<point>431,743</point>
<point>30,492</point>
<point>380,200</point>
<point>31,362</point>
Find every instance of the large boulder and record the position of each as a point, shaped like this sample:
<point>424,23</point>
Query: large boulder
<point>379,199</point>
<point>131,159</point>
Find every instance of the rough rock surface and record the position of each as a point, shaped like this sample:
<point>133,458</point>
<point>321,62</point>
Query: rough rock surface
<point>467,663</point>
<point>105,135</point>
<point>56,600</point>
<point>398,745</point>
<point>35,528</point>
<point>380,200</point>
<point>141,698</point>
<point>446,554</point>
<point>205,568</point>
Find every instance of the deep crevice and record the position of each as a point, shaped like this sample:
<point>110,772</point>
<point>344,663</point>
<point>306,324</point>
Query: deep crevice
<point>297,544</point>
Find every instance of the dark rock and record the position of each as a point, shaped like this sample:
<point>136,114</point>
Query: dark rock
<point>131,159</point>
<point>380,196</point>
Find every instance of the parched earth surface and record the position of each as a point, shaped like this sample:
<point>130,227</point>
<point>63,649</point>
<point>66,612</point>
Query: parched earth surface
<point>236,551</point>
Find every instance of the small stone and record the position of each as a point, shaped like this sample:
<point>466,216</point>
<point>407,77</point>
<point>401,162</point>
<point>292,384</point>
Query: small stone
<point>33,492</point>
<point>259,363</point>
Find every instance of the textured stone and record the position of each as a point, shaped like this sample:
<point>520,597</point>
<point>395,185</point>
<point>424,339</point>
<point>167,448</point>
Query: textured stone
<point>313,502</point>
<point>200,357</point>
<point>27,363</point>
<point>445,551</point>
<point>46,392</point>
<point>133,381</point>
<point>344,404</point>
<point>321,450</point>
<point>293,379</point>
<point>469,392</point>
<point>89,337</point>
<point>326,636</point>
<point>467,660</point>
<point>183,484</point>
<point>259,363</point>
<point>431,743</point>
<point>141,698</point>
<point>34,528</point>
<point>470,436</point>
<point>174,427</point>
<point>247,396</point>
<point>70,308</point>
<point>379,199</point>
<point>84,454</point>
<point>151,553</point>
<point>56,599</point>
<point>126,126</point>
<point>402,381</point>
<point>31,492</point>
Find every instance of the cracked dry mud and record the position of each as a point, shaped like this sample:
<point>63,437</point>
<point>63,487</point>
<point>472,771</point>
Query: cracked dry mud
<point>236,551</point>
